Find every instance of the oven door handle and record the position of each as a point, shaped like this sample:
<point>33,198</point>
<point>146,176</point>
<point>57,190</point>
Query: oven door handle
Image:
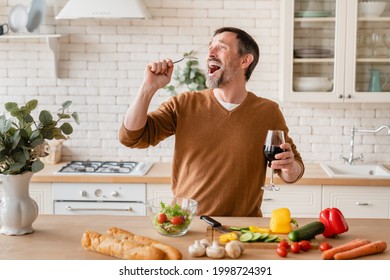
<point>70,209</point>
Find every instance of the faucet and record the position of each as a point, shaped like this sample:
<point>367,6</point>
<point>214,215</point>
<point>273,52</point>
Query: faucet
<point>351,159</point>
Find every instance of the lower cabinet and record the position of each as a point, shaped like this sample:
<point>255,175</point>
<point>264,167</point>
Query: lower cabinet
<point>357,201</point>
<point>158,190</point>
<point>303,201</point>
<point>41,193</point>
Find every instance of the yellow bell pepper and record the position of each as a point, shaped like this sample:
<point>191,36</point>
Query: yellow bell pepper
<point>281,221</point>
<point>259,229</point>
<point>226,237</point>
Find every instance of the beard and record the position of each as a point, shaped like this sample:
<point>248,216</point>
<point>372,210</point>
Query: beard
<point>223,76</point>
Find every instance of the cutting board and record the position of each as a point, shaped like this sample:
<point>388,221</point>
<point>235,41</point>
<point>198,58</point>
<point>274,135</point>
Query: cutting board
<point>256,245</point>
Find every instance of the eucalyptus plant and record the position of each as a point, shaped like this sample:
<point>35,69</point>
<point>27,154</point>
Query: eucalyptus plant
<point>23,139</point>
<point>190,76</point>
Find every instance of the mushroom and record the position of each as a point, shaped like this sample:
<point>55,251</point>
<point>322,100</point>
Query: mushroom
<point>234,249</point>
<point>215,251</point>
<point>205,242</point>
<point>197,249</point>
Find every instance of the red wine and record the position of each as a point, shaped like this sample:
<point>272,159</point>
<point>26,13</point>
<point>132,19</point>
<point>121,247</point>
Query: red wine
<point>271,151</point>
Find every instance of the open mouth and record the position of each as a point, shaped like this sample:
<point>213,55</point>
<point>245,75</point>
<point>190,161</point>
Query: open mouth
<point>213,67</point>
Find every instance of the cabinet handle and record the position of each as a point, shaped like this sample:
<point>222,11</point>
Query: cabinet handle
<point>267,199</point>
<point>362,203</point>
<point>68,208</point>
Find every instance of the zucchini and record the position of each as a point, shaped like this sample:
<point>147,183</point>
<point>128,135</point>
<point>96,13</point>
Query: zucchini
<point>307,232</point>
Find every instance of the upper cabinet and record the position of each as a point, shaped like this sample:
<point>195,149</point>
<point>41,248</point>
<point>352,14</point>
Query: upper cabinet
<point>334,51</point>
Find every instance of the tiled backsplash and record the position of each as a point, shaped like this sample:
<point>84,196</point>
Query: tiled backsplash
<point>102,61</point>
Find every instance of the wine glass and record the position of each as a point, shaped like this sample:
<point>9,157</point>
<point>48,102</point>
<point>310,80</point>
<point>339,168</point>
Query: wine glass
<point>377,42</point>
<point>386,40</point>
<point>274,139</point>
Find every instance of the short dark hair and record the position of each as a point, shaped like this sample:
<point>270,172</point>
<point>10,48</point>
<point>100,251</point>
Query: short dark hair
<point>246,44</point>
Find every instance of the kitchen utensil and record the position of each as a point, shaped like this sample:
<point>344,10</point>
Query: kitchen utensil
<point>171,216</point>
<point>35,15</point>
<point>215,224</point>
<point>371,8</point>
<point>375,84</point>
<point>185,57</point>
<point>4,28</point>
<point>312,84</point>
<point>18,17</point>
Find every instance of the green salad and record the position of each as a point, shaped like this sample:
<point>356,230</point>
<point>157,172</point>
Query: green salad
<point>171,220</point>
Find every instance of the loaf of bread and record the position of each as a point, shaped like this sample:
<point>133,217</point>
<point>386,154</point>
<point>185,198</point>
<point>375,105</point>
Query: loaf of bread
<point>171,253</point>
<point>122,244</point>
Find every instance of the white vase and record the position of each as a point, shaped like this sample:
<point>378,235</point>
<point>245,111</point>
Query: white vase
<point>18,210</point>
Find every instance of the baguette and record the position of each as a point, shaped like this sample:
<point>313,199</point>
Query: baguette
<point>171,253</point>
<point>120,248</point>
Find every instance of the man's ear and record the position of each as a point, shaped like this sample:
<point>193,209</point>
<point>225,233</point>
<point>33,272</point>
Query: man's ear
<point>247,60</point>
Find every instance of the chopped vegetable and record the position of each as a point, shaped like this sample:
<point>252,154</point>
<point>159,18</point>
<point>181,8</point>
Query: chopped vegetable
<point>171,219</point>
<point>259,229</point>
<point>226,237</point>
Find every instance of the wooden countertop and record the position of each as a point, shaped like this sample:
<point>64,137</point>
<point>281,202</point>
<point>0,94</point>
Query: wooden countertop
<point>57,237</point>
<point>160,173</point>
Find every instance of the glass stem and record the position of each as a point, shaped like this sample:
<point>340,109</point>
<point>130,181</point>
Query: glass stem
<point>272,177</point>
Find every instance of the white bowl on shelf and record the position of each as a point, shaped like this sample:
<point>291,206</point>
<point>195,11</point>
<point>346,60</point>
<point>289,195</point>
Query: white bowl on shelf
<point>371,8</point>
<point>304,84</point>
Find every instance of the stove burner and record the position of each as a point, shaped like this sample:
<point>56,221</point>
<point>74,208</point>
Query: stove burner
<point>123,167</point>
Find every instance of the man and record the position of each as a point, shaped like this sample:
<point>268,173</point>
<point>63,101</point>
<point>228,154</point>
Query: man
<point>219,132</point>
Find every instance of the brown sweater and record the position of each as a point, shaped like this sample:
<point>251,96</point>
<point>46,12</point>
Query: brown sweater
<point>218,156</point>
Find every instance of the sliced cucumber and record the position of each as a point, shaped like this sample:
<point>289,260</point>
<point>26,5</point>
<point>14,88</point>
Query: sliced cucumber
<point>246,237</point>
<point>271,239</point>
<point>239,228</point>
<point>263,236</point>
<point>255,236</point>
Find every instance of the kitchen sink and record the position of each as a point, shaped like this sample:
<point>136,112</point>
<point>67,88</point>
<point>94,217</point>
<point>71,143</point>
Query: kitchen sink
<point>356,171</point>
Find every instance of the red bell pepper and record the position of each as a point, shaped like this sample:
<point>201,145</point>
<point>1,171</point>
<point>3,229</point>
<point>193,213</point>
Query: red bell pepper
<point>334,222</point>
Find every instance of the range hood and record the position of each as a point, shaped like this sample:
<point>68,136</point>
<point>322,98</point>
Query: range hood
<point>75,9</point>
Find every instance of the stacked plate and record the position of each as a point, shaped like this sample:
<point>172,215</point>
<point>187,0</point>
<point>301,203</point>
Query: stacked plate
<point>313,14</point>
<point>313,53</point>
<point>21,19</point>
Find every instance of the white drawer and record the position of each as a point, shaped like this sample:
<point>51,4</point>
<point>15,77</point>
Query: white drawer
<point>358,202</point>
<point>303,201</point>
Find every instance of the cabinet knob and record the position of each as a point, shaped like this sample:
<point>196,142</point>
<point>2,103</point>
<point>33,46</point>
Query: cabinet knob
<point>341,96</point>
<point>349,96</point>
<point>83,193</point>
<point>114,194</point>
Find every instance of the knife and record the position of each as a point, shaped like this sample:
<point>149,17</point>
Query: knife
<point>215,224</point>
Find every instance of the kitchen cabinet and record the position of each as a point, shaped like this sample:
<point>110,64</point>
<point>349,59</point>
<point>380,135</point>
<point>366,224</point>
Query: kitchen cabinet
<point>324,39</point>
<point>41,193</point>
<point>302,200</point>
<point>51,39</point>
<point>358,202</point>
<point>158,190</point>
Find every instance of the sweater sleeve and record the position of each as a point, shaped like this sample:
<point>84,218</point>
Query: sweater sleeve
<point>160,124</point>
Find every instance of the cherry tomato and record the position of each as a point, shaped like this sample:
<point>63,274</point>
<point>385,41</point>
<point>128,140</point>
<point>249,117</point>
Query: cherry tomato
<point>324,246</point>
<point>283,243</point>
<point>162,218</point>
<point>305,245</point>
<point>282,251</point>
<point>294,247</point>
<point>176,220</point>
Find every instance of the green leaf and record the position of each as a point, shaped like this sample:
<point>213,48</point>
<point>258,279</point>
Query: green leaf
<point>45,117</point>
<point>31,105</point>
<point>37,166</point>
<point>76,117</point>
<point>66,104</point>
<point>63,116</point>
<point>66,128</point>
<point>28,118</point>
<point>10,106</point>
<point>36,142</point>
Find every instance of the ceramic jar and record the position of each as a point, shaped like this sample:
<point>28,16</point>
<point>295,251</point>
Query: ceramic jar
<point>18,210</point>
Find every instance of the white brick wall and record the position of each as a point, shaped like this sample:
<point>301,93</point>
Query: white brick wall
<point>102,61</point>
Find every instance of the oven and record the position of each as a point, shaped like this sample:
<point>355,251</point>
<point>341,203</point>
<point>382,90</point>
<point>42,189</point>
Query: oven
<point>101,198</point>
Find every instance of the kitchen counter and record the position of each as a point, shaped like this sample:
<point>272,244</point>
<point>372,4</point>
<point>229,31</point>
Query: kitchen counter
<point>160,173</point>
<point>58,237</point>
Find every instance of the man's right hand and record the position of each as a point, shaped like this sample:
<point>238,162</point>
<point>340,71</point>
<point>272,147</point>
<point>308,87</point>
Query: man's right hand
<point>158,74</point>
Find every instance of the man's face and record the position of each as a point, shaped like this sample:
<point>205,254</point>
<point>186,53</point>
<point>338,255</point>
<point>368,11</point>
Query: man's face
<point>223,61</point>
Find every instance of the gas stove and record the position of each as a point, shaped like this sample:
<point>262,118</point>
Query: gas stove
<point>132,168</point>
